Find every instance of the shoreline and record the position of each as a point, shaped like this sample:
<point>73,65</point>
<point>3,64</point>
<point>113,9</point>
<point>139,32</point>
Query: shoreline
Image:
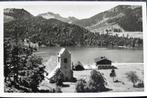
<point>117,47</point>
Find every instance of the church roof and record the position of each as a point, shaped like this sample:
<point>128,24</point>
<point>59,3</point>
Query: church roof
<point>62,51</point>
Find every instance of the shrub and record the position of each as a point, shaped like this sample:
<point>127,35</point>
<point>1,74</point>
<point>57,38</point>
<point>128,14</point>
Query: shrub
<point>80,86</point>
<point>96,82</point>
<point>73,79</point>
<point>58,90</point>
<point>59,81</point>
<point>58,78</point>
<point>132,76</point>
<point>139,84</point>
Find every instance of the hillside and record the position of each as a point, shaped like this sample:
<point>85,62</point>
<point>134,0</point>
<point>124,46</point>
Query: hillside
<point>50,15</point>
<point>15,14</point>
<point>53,32</point>
<point>50,32</point>
<point>117,19</point>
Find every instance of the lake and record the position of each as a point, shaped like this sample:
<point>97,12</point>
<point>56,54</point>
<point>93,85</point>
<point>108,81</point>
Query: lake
<point>87,55</point>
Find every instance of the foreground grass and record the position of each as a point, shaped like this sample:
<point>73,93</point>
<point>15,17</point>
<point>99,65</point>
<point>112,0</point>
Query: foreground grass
<point>123,85</point>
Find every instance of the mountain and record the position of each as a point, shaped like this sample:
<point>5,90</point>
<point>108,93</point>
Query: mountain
<point>117,19</point>
<point>20,25</point>
<point>49,32</point>
<point>14,14</point>
<point>50,15</point>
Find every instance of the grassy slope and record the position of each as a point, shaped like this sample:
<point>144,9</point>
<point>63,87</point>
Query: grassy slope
<point>123,86</point>
<point>116,87</point>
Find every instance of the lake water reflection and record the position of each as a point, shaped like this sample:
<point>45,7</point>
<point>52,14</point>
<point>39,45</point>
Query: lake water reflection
<point>87,55</point>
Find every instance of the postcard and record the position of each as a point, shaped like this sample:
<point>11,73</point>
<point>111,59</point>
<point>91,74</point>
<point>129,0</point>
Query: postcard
<point>73,49</point>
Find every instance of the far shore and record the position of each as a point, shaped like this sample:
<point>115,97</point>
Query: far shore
<point>109,47</point>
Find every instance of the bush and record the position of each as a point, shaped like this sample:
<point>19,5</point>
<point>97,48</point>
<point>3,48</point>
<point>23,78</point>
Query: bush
<point>73,79</point>
<point>58,90</point>
<point>80,86</point>
<point>139,84</point>
<point>58,78</point>
<point>132,76</point>
<point>96,83</point>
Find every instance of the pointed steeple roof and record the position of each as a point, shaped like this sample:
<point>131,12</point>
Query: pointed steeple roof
<point>62,51</point>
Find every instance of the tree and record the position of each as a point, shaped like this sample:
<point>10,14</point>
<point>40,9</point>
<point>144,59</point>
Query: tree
<point>132,76</point>
<point>63,34</point>
<point>59,81</point>
<point>34,72</point>
<point>7,59</point>
<point>26,69</point>
<point>113,74</point>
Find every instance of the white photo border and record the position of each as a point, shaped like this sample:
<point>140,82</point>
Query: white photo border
<point>103,94</point>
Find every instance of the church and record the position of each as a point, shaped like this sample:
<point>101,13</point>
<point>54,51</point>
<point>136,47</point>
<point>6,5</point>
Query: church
<point>64,64</point>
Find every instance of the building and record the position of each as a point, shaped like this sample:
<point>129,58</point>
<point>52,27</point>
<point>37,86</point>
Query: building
<point>78,66</point>
<point>28,43</point>
<point>64,64</point>
<point>102,61</point>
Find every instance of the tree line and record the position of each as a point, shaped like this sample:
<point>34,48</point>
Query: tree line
<point>56,33</point>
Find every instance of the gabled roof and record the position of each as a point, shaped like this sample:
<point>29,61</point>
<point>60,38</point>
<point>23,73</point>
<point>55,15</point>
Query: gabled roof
<point>62,51</point>
<point>101,58</point>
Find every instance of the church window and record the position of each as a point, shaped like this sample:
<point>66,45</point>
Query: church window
<point>65,60</point>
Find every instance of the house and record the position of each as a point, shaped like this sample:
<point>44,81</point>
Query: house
<point>64,64</point>
<point>78,66</point>
<point>103,63</point>
<point>28,43</point>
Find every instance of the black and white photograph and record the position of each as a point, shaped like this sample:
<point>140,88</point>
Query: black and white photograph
<point>73,47</point>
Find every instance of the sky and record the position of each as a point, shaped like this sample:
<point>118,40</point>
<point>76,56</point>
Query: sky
<point>78,10</point>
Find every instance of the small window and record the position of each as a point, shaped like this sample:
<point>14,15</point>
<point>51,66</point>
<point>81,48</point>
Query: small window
<point>65,60</point>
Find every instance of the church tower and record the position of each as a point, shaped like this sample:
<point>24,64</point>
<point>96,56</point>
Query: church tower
<point>64,63</point>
